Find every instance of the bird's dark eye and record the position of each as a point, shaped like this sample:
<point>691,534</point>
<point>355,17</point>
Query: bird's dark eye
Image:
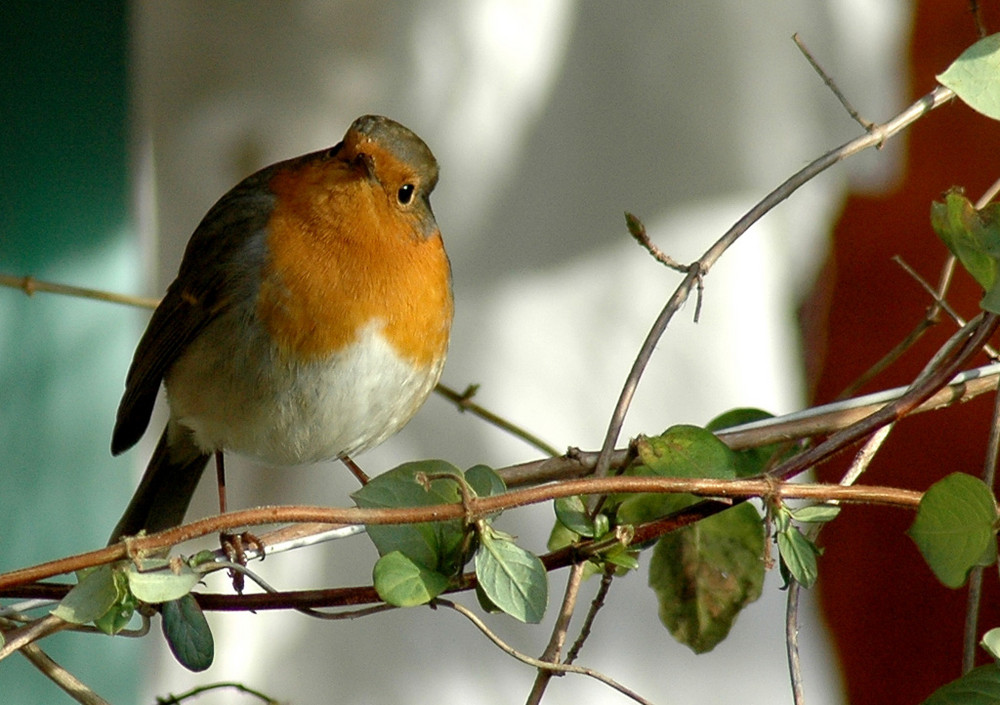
<point>405,194</point>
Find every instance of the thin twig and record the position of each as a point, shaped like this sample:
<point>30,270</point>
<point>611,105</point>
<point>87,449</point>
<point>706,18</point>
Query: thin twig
<point>884,362</point>
<point>861,462</point>
<point>831,84</point>
<point>524,658</point>
<point>464,403</point>
<point>308,611</point>
<point>595,606</point>
<point>559,629</point>
<point>971,636</point>
<point>990,194</point>
<point>939,302</point>
<point>930,319</point>
<point>638,231</point>
<point>876,136</point>
<point>229,685</point>
<point>792,641</point>
<point>864,457</point>
<point>27,634</point>
<point>29,285</point>
<point>977,18</point>
<point>956,353</point>
<point>70,684</point>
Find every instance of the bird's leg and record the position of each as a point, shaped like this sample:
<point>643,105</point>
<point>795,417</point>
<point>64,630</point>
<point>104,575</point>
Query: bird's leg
<point>355,470</point>
<point>220,477</point>
<point>233,545</point>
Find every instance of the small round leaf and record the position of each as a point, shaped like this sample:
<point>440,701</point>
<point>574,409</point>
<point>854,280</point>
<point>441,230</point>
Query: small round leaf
<point>954,527</point>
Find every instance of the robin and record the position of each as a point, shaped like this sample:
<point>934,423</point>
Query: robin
<point>309,319</point>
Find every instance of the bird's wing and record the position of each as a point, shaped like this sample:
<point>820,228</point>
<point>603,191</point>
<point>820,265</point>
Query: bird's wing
<point>221,264</point>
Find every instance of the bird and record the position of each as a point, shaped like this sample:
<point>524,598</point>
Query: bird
<point>309,319</point>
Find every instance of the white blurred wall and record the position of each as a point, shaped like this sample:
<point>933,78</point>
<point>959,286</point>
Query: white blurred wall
<point>549,120</point>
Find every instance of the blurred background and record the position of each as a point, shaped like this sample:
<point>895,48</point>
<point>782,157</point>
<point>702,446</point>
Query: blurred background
<point>126,121</point>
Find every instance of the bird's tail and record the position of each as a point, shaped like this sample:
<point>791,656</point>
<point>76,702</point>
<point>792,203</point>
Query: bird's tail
<point>166,488</point>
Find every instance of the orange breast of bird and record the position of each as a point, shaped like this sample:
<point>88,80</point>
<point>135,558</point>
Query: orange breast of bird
<point>342,257</point>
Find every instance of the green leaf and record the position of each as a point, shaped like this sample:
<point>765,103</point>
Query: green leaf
<point>705,574</point>
<point>572,513</point>
<point>980,686</point>
<point>622,556</point>
<point>403,583</point>
<point>155,581</point>
<point>513,579</point>
<point>120,614</point>
<point>989,556</point>
<point>815,513</point>
<point>798,554</point>
<point>91,598</point>
<point>485,602</point>
<point>434,545</point>
<point>484,481</point>
<point>737,417</point>
<point>974,238</point>
<point>560,537</point>
<point>991,642</point>
<point>187,633</point>
<point>685,451</point>
<point>681,451</point>
<point>749,461</point>
<point>973,76</point>
<point>954,527</point>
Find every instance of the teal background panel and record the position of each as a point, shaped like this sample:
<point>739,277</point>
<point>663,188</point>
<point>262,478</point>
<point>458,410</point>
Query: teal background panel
<point>64,216</point>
